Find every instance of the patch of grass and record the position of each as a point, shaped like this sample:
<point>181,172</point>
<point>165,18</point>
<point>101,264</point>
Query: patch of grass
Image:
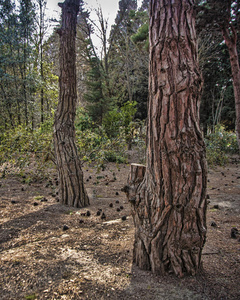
<point>31,297</point>
<point>213,209</point>
<point>38,197</point>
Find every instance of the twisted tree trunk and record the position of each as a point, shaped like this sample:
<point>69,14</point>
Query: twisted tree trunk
<point>71,187</point>
<point>169,198</point>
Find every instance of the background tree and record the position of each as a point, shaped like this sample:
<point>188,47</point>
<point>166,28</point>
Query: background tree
<point>26,30</point>
<point>129,60</point>
<point>72,190</point>
<point>42,7</point>
<point>169,201</point>
<point>217,102</point>
<point>224,17</point>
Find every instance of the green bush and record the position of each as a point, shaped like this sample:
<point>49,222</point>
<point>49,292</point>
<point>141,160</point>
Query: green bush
<point>113,156</point>
<point>96,144</point>
<point>112,123</point>
<point>21,146</point>
<point>220,144</point>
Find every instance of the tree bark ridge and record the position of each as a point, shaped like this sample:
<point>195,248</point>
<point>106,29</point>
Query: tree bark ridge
<point>169,210</point>
<point>71,186</point>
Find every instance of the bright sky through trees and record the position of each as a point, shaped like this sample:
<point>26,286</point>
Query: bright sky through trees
<point>109,7</point>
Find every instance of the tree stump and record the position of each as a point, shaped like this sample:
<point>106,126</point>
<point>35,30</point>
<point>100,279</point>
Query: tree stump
<point>136,175</point>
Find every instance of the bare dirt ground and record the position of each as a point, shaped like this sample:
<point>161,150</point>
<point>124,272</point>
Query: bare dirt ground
<point>91,258</point>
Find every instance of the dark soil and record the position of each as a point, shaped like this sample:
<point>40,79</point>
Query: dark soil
<point>50,251</point>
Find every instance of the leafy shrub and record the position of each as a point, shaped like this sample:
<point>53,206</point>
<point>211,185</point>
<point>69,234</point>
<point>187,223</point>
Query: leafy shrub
<point>112,156</point>
<point>112,123</point>
<point>21,146</point>
<point>220,144</point>
<point>94,143</point>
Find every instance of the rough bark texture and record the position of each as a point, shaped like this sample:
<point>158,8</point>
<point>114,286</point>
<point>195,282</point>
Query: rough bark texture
<point>169,210</point>
<point>71,187</point>
<point>231,42</point>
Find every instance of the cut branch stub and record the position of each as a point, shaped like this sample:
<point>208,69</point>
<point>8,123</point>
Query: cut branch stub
<point>135,178</point>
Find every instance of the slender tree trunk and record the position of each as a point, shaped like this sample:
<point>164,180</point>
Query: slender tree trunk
<point>41,28</point>
<point>169,203</point>
<point>71,187</point>
<point>24,77</point>
<point>231,42</point>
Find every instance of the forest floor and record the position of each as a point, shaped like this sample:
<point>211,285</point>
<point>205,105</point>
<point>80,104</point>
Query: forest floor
<point>91,258</point>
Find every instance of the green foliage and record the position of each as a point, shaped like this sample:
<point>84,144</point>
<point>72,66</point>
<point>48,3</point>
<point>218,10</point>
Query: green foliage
<point>96,96</point>
<point>94,144</point>
<point>112,122</point>
<point>107,143</point>
<point>21,148</point>
<point>142,34</point>
<point>120,119</point>
<point>113,156</point>
<point>220,144</point>
<point>128,59</point>
<point>31,297</point>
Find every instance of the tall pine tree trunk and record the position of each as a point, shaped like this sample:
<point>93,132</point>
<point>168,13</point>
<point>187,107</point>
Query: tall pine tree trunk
<point>231,42</point>
<point>71,186</point>
<point>169,197</point>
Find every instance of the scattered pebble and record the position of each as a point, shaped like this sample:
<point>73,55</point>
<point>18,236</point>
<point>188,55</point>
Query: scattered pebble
<point>65,227</point>
<point>213,224</point>
<point>234,232</point>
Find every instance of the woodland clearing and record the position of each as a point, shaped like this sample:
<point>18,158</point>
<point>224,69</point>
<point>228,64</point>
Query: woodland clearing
<point>91,257</point>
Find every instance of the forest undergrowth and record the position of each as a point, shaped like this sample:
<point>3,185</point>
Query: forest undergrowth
<point>51,251</point>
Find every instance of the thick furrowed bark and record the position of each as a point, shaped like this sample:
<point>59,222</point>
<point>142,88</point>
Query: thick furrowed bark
<point>71,187</point>
<point>169,210</point>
